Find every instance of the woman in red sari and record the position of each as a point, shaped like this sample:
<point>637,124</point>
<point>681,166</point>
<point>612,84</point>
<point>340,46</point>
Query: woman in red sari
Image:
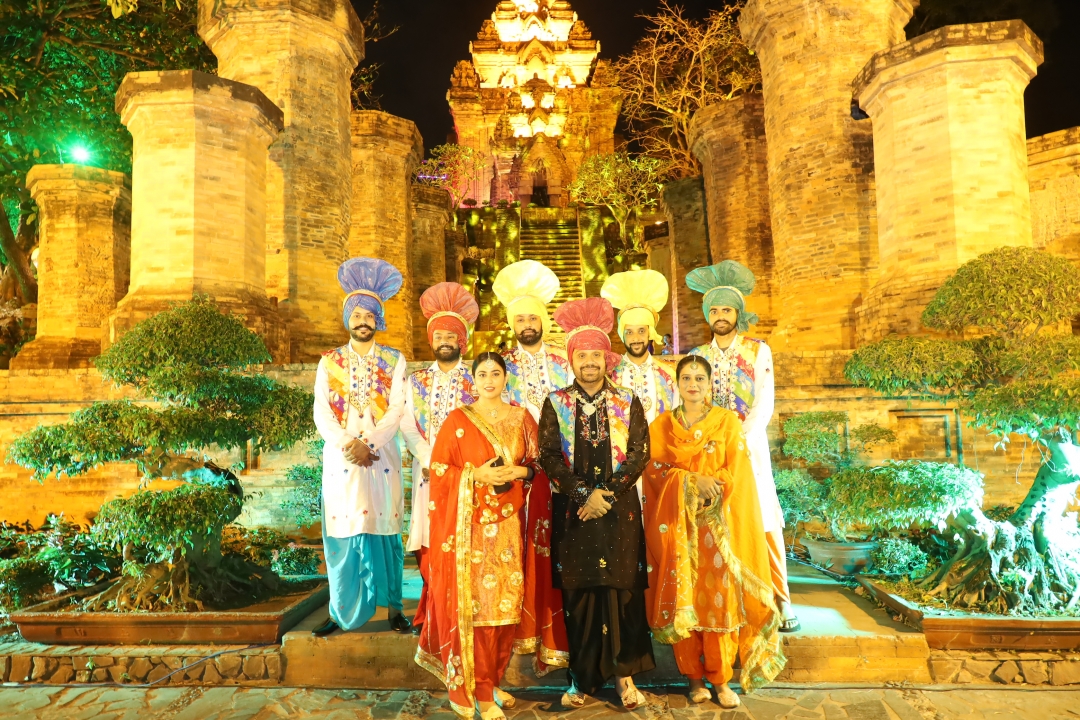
<point>490,566</point>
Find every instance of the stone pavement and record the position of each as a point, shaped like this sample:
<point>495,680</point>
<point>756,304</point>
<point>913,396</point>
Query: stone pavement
<point>790,702</point>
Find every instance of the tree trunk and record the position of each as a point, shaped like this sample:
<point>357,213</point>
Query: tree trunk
<point>17,250</point>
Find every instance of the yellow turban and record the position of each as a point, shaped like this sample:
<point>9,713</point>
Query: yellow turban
<point>639,295</point>
<point>525,288</point>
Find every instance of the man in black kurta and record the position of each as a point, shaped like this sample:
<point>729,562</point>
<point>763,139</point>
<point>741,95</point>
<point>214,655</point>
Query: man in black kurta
<point>594,443</point>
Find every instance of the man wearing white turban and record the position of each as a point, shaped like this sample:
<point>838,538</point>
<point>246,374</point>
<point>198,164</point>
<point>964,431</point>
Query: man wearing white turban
<point>533,369</point>
<point>742,381</point>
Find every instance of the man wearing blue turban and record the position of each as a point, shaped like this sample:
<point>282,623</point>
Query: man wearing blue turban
<point>742,381</point>
<point>359,401</point>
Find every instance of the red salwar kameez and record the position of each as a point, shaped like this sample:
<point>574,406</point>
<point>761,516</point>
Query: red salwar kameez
<point>490,561</point>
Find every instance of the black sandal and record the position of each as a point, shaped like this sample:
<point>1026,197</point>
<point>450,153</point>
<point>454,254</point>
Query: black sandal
<point>790,625</point>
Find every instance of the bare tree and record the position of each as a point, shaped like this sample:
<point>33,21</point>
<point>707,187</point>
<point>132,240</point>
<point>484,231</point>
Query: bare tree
<point>455,168</point>
<point>622,183</point>
<point>679,67</point>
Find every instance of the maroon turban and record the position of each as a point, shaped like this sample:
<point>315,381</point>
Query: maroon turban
<point>587,323</point>
<point>450,307</point>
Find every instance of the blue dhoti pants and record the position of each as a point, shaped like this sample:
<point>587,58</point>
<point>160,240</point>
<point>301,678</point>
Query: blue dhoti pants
<point>365,572</point>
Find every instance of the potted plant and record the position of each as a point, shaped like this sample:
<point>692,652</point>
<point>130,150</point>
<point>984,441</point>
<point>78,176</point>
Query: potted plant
<point>1006,356</point>
<point>192,368</point>
<point>851,507</point>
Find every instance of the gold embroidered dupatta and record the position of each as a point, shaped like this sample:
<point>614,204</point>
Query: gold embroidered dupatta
<point>677,600</point>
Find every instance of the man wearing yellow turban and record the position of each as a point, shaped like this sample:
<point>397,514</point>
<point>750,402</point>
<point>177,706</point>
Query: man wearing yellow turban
<point>640,295</point>
<point>534,370</point>
<point>742,381</point>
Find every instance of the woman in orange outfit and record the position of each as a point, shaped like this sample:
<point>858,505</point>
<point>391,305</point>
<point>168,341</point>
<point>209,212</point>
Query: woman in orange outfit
<point>710,594</point>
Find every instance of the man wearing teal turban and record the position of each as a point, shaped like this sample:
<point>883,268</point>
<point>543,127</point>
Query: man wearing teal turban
<point>742,381</point>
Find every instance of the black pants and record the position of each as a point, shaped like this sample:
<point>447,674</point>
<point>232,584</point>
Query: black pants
<point>609,635</point>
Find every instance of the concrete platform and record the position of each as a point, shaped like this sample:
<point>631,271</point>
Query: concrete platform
<point>844,638</point>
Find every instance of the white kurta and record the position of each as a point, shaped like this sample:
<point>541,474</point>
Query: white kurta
<point>641,379</point>
<point>535,374</point>
<point>358,500</point>
<point>419,530</point>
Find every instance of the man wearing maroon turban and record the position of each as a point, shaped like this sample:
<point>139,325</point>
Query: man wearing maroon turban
<point>433,393</point>
<point>594,444</point>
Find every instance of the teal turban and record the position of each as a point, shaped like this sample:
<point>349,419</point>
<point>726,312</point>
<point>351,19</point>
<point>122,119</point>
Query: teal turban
<point>725,284</point>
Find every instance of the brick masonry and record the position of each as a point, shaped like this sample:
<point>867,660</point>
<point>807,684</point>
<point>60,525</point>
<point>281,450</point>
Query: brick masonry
<point>1054,176</point>
<point>301,54</point>
<point>385,152</point>
<point>430,215</point>
<point>83,263</point>
<point>729,140</point>
<point>684,204</point>
<point>950,184</point>
<point>820,159</point>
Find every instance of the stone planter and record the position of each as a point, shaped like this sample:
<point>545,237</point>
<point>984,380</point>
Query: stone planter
<point>843,558</point>
<point>971,631</point>
<point>50,623</point>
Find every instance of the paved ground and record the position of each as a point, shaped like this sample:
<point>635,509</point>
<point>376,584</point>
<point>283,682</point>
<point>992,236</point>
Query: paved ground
<point>787,703</point>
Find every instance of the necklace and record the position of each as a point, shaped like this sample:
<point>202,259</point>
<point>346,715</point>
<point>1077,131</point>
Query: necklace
<point>594,428</point>
<point>492,413</point>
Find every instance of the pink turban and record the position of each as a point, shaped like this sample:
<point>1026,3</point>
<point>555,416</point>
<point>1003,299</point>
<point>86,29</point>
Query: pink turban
<point>587,323</point>
<point>449,307</point>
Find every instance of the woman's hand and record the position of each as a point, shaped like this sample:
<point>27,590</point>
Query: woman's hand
<point>490,474</point>
<point>709,488</point>
<point>597,505</point>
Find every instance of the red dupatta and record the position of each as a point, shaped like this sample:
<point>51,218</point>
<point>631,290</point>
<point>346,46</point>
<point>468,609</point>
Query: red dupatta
<point>446,649</point>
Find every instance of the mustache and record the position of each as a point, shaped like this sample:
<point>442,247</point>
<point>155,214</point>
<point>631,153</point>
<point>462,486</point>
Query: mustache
<point>451,348</point>
<point>358,328</point>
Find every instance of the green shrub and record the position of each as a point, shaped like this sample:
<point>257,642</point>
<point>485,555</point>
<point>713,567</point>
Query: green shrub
<point>897,556</point>
<point>303,502</point>
<point>23,581</point>
<point>295,560</point>
<point>802,498</point>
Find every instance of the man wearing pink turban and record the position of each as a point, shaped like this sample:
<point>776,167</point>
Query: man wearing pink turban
<point>434,393</point>
<point>594,444</point>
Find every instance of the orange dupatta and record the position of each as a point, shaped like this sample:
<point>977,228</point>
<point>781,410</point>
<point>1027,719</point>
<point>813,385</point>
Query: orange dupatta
<point>445,648</point>
<point>715,446</point>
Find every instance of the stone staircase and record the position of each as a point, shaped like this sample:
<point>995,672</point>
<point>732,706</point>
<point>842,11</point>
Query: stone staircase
<point>555,243</point>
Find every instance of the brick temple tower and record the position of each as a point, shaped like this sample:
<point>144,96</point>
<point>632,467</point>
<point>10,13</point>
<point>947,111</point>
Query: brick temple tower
<point>535,101</point>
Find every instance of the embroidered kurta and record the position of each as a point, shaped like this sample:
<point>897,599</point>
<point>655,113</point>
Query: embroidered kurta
<point>651,382</point>
<point>531,378</point>
<point>486,570</point>
<point>709,565</point>
<point>361,397</point>
<point>432,395</point>
<point>742,381</point>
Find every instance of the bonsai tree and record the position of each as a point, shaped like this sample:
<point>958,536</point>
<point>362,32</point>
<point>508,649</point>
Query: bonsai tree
<point>1003,359</point>
<point>454,168</point>
<point>622,183</point>
<point>190,365</point>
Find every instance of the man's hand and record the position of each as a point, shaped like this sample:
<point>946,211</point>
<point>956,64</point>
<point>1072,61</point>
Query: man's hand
<point>488,474</point>
<point>426,473</point>
<point>358,453</point>
<point>597,505</point>
<point>709,488</point>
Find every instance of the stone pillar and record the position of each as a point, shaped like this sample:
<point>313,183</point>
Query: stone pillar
<point>385,152</point>
<point>684,203</point>
<point>729,140</point>
<point>950,151</point>
<point>1054,177</point>
<point>83,262</point>
<point>198,221</point>
<point>301,54</point>
<point>820,159</point>
<point>430,215</point>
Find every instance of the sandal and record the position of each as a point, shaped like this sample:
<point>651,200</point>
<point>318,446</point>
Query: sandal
<point>573,698</point>
<point>727,697</point>
<point>791,624</point>
<point>632,698</point>
<point>493,713</point>
<point>700,695</point>
<point>504,699</point>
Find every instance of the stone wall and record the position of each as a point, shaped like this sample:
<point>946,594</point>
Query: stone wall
<point>430,214</point>
<point>729,141</point>
<point>1054,175</point>
<point>820,159</point>
<point>684,203</point>
<point>951,160</point>
<point>301,54</point>
<point>84,261</point>
<point>385,152</point>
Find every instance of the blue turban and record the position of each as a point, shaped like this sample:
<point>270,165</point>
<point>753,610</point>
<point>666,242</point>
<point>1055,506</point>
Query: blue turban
<point>725,284</point>
<point>368,275</point>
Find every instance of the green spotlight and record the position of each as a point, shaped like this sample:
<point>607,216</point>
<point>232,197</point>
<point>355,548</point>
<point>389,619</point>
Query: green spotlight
<point>80,154</point>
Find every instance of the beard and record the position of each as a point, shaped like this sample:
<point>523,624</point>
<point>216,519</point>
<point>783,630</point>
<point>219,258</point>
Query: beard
<point>722,327</point>
<point>529,336</point>
<point>590,373</point>
<point>447,353</point>
<point>637,350</point>
<point>362,333</point>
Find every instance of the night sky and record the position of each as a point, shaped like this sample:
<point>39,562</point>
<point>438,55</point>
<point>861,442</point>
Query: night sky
<point>434,35</point>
